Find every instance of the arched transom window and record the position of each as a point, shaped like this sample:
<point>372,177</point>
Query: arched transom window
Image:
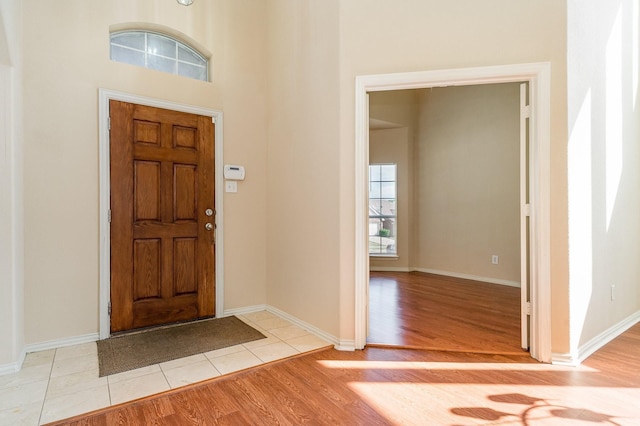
<point>158,52</point>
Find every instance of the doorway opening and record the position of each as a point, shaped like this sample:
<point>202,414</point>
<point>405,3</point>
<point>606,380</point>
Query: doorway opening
<point>455,279</point>
<point>537,76</point>
<point>105,98</point>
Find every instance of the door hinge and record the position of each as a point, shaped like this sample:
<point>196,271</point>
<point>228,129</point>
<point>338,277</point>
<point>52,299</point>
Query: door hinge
<point>528,308</point>
<point>109,215</point>
<point>109,309</point>
<point>109,123</point>
<point>526,209</point>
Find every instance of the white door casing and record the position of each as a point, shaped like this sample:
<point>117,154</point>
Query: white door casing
<point>538,76</point>
<point>105,191</point>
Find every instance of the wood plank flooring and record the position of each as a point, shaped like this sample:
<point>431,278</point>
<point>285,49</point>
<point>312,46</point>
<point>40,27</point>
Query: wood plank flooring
<point>382,386</point>
<point>426,311</point>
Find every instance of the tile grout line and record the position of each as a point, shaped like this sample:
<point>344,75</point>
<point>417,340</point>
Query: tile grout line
<point>250,350</point>
<point>46,391</point>
<point>164,375</point>
<point>108,383</point>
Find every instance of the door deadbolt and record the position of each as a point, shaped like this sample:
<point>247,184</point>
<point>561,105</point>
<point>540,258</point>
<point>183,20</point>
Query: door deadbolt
<point>208,212</point>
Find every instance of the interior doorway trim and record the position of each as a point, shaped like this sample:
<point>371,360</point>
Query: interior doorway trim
<point>105,193</point>
<point>539,77</point>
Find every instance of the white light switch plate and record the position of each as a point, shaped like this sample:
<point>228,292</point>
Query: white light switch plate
<point>231,186</point>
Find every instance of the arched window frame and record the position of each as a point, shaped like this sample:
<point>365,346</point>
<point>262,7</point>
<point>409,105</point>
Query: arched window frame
<point>158,51</point>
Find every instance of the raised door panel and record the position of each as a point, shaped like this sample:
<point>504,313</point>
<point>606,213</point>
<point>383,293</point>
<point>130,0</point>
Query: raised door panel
<point>185,137</point>
<point>185,267</point>
<point>146,187</point>
<point>146,269</point>
<point>184,192</point>
<point>146,132</point>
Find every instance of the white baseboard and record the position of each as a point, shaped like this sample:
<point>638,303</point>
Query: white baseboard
<point>245,310</point>
<point>391,269</point>
<point>337,343</point>
<point>346,346</point>
<point>444,273</point>
<point>469,277</point>
<point>563,359</point>
<point>588,349</point>
<point>61,343</point>
<point>13,367</point>
<point>9,368</point>
<point>607,336</point>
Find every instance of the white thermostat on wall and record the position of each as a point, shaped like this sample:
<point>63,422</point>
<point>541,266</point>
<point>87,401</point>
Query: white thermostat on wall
<point>233,172</point>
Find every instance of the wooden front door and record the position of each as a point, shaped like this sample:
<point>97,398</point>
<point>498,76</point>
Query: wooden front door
<point>162,216</point>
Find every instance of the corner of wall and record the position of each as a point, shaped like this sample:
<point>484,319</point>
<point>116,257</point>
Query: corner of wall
<point>11,195</point>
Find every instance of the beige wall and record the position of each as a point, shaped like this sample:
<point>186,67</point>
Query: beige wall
<point>303,176</point>
<point>467,181</point>
<point>284,73</point>
<point>381,37</point>
<point>396,146</point>
<point>66,61</point>
<point>397,108</point>
<point>463,196</point>
<point>603,155</point>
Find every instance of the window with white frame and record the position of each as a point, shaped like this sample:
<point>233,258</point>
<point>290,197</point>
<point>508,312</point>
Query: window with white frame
<point>382,209</point>
<point>158,52</point>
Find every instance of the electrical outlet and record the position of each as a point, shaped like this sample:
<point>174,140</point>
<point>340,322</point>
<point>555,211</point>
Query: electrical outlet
<point>494,259</point>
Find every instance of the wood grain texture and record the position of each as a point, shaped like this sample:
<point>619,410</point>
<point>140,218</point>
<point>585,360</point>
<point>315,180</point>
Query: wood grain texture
<point>382,386</point>
<point>427,311</point>
<point>162,174</point>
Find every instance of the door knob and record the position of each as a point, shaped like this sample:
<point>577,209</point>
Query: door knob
<point>208,226</point>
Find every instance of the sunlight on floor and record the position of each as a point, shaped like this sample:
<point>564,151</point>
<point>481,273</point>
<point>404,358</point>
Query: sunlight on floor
<point>417,403</point>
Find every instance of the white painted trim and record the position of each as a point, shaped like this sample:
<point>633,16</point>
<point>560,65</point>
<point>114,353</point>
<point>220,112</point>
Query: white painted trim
<point>345,345</point>
<point>563,359</point>
<point>444,273</point>
<point>341,345</point>
<point>105,274</point>
<point>361,259</point>
<point>9,368</point>
<point>525,156</point>
<point>245,310</point>
<point>539,77</point>
<point>61,343</point>
<point>13,367</point>
<point>598,342</point>
<point>337,343</point>
<point>470,277</point>
<point>391,269</point>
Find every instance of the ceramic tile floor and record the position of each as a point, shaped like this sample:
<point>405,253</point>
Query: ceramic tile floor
<point>64,382</point>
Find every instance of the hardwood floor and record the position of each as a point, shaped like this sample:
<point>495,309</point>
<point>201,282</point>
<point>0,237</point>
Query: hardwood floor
<point>480,376</point>
<point>382,386</point>
<point>426,311</point>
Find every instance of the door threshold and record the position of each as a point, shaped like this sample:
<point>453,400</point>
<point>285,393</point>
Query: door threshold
<point>159,326</point>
